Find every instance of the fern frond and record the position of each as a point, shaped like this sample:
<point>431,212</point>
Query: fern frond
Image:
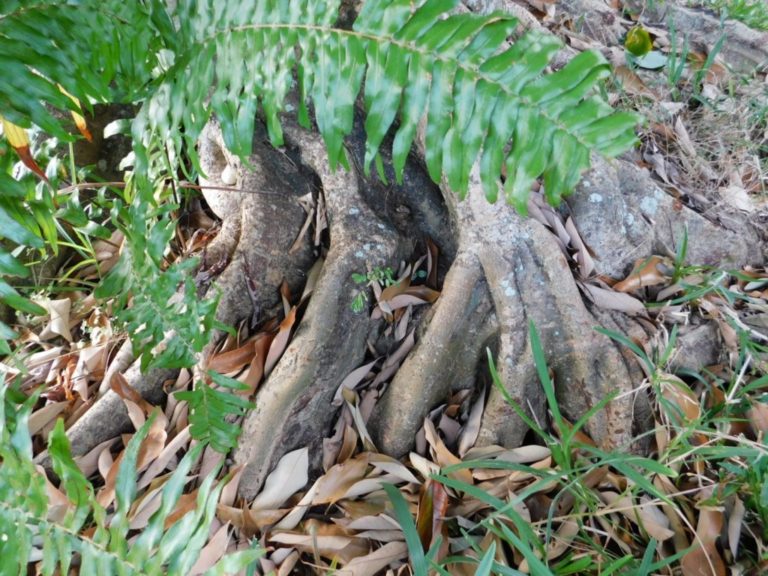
<point>158,308</point>
<point>98,51</point>
<point>210,408</point>
<point>482,98</point>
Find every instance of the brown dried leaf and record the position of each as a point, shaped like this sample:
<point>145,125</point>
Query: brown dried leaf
<point>433,505</point>
<point>650,271</point>
<point>186,503</point>
<point>335,483</point>
<point>285,296</point>
<point>424,467</point>
<point>424,293</point>
<point>735,523</point>
<point>168,452</point>
<point>288,564</point>
<point>443,456</point>
<point>631,82</point>
<point>646,516</point>
<point>280,343</point>
<point>40,418</point>
<point>392,363</point>
<point>289,476</point>
<point>153,443</point>
<point>107,493</point>
<point>343,548</point>
<point>390,292</point>
<point>704,559</point>
<point>58,325</point>
<point>758,418</point>
<point>352,380</point>
<point>348,445</point>
<point>233,360</point>
<point>88,463</point>
<point>681,398</point>
<point>248,521</point>
<point>212,552</point>
<point>372,564</point>
<point>471,429</point>
<point>122,388</point>
<point>612,300</point>
<point>253,376</point>
<point>392,466</point>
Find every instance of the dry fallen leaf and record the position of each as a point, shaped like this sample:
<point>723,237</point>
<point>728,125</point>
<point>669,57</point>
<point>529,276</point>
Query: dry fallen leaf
<point>289,476</point>
<point>280,342</point>
<point>612,300</point>
<point>705,559</point>
<point>650,271</point>
<point>372,564</point>
<point>333,485</point>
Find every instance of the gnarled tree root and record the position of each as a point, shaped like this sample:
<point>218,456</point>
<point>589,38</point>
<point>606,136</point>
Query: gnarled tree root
<point>259,228</point>
<point>293,406</point>
<point>529,280</point>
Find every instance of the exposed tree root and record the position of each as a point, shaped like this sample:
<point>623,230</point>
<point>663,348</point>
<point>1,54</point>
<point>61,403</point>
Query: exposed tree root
<point>257,258</point>
<point>293,406</point>
<point>529,280</point>
<point>444,359</point>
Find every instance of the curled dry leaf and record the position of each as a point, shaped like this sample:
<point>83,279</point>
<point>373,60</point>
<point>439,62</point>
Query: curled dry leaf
<point>645,515</point>
<point>333,485</point>
<point>340,547</point>
<point>758,418</point>
<point>735,522</point>
<point>430,516</point>
<point>650,271</point>
<point>164,457</point>
<point>59,322</point>
<point>280,342</point>
<point>443,456</point>
<point>374,562</point>
<point>392,466</point>
<point>471,428</point>
<point>705,559</point>
<point>45,415</point>
<point>122,388</point>
<point>352,380</point>
<point>681,400</point>
<point>212,552</point>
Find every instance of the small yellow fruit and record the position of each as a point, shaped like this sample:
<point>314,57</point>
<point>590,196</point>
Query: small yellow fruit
<point>638,41</point>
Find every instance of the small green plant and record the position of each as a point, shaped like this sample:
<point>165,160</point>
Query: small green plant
<point>383,276</point>
<point>754,13</point>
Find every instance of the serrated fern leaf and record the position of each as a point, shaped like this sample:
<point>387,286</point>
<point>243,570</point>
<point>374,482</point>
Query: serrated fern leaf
<point>210,409</point>
<point>167,321</point>
<point>481,97</point>
<point>101,51</point>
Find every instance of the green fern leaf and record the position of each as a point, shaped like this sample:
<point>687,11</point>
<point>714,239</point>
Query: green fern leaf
<point>481,98</point>
<point>209,409</point>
